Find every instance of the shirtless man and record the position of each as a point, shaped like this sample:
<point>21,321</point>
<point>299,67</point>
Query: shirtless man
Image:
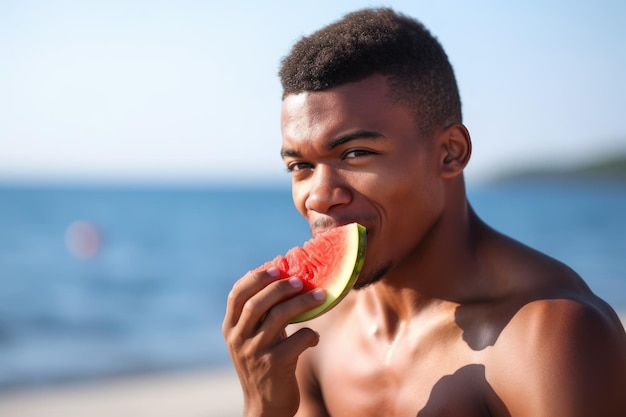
<point>449,318</point>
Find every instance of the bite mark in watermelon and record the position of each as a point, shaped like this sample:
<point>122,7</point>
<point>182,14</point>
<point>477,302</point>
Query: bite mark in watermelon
<point>332,261</point>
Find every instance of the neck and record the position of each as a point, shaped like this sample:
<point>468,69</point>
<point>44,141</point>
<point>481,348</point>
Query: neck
<point>443,270</point>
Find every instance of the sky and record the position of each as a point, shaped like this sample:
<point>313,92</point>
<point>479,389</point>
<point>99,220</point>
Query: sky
<point>187,91</point>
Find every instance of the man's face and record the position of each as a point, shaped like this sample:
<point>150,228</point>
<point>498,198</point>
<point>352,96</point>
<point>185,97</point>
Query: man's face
<point>356,156</point>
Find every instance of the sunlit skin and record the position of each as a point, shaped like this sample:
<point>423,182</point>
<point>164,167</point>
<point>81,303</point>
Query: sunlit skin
<point>345,170</point>
<point>457,319</point>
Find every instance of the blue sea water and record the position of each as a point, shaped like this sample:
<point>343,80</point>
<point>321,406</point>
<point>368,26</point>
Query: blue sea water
<point>153,296</point>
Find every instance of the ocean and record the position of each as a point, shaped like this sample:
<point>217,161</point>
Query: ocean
<point>98,281</point>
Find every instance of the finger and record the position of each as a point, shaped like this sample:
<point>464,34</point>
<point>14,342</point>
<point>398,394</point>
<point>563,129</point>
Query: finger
<point>243,289</point>
<point>293,346</point>
<point>256,309</point>
<point>280,315</point>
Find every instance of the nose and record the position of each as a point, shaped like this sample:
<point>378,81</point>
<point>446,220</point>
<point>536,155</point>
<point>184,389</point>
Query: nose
<point>327,190</point>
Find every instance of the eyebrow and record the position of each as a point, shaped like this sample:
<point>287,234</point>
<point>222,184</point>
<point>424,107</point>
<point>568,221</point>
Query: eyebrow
<point>360,134</point>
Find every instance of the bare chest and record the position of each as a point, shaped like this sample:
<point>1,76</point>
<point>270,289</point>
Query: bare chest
<point>424,378</point>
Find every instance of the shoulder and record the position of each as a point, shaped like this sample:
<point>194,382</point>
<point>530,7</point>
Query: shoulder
<point>565,324</point>
<point>559,350</point>
<point>561,356</point>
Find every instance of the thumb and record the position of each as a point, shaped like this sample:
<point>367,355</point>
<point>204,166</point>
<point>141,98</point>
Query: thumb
<point>298,342</point>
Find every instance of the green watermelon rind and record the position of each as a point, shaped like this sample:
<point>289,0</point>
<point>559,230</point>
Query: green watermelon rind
<point>347,273</point>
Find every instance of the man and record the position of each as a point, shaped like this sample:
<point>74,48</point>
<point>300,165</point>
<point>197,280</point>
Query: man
<point>449,317</point>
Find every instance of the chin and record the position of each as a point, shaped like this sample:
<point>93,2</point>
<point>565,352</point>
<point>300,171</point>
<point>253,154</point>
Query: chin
<point>368,278</point>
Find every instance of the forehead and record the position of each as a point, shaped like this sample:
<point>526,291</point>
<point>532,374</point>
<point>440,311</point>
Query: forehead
<point>364,104</point>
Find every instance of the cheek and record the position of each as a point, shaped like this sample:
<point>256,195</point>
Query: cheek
<point>299,199</point>
<point>411,210</point>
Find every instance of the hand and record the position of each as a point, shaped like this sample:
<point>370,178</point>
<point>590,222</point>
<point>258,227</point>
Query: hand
<point>264,356</point>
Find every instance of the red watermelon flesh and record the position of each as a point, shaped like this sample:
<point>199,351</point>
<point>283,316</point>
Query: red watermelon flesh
<point>332,260</point>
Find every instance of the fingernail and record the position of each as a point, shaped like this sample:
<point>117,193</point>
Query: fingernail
<point>273,272</point>
<point>295,283</point>
<point>319,294</point>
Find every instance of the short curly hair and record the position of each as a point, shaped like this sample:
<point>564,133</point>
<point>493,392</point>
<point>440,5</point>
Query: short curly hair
<point>378,41</point>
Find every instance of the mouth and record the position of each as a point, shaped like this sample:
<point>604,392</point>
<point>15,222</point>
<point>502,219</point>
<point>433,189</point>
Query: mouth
<point>322,225</point>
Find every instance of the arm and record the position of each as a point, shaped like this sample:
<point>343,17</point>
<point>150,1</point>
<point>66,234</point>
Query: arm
<point>562,358</point>
<point>264,356</point>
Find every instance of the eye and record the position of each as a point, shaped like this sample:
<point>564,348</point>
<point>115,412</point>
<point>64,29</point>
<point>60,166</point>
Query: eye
<point>298,166</point>
<point>357,153</point>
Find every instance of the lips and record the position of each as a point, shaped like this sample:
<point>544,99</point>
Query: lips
<point>323,224</point>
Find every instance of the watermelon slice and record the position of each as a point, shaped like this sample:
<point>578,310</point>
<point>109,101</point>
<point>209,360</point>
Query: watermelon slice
<point>332,260</point>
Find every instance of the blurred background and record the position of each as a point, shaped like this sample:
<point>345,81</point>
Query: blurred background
<point>140,173</point>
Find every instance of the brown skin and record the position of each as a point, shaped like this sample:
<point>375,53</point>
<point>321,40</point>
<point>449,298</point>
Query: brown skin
<point>463,322</point>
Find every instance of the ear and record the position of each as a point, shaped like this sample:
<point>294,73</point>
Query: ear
<point>456,147</point>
